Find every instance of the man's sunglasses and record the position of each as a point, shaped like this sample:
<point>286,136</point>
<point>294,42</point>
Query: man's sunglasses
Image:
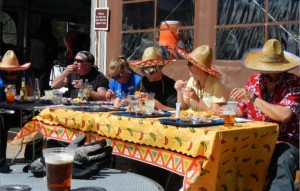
<point>148,71</point>
<point>79,61</point>
<point>11,73</point>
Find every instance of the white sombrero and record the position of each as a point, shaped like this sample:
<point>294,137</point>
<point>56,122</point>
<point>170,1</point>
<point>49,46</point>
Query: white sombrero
<point>201,57</point>
<point>270,58</point>
<point>10,62</point>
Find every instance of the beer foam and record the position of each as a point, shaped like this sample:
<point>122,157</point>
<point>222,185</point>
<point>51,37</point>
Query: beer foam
<point>59,159</point>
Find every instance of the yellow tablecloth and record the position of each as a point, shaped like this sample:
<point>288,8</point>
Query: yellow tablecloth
<point>217,158</point>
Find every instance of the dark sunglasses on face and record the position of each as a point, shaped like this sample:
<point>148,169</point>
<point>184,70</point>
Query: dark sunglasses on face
<point>148,71</point>
<point>117,77</point>
<point>79,61</point>
<point>11,73</point>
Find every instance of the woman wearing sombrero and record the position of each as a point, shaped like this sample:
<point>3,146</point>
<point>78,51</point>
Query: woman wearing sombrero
<point>204,90</point>
<point>273,95</point>
<point>154,80</point>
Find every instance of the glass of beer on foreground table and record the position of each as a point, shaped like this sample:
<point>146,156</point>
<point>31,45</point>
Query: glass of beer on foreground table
<point>59,165</point>
<point>229,112</point>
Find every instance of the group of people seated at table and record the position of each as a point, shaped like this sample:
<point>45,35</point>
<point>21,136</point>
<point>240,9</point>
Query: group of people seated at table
<point>272,94</point>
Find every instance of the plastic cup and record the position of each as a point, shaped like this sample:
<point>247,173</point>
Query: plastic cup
<point>233,104</point>
<point>229,112</point>
<point>48,94</point>
<point>59,165</point>
<point>149,105</point>
<point>10,96</point>
<point>57,97</point>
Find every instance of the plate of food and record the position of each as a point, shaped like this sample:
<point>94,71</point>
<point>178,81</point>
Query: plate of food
<point>91,109</point>
<point>96,108</point>
<point>141,114</point>
<point>192,122</point>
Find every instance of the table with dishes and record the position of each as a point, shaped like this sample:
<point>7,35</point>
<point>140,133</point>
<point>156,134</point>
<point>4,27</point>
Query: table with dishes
<point>209,155</point>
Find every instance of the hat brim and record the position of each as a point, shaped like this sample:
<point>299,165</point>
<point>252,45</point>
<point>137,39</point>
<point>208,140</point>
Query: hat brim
<point>251,60</point>
<point>151,62</point>
<point>186,55</point>
<point>22,67</point>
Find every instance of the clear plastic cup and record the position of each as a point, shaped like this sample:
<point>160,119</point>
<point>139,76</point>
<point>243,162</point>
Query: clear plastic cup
<point>48,94</point>
<point>10,95</point>
<point>229,112</point>
<point>59,165</point>
<point>57,97</point>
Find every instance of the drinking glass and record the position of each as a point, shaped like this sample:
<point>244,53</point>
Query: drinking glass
<point>59,165</point>
<point>87,92</point>
<point>10,95</point>
<point>229,112</point>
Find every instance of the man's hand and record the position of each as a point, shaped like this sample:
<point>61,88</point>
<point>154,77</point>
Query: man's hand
<point>240,93</point>
<point>77,84</point>
<point>73,68</point>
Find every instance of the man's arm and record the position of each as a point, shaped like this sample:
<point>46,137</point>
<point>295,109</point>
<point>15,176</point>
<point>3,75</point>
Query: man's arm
<point>275,112</point>
<point>100,94</point>
<point>61,80</point>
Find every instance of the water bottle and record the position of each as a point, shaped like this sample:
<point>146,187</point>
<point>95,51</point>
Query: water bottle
<point>36,90</point>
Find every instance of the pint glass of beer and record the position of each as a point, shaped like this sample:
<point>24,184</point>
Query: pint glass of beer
<point>59,164</point>
<point>229,112</point>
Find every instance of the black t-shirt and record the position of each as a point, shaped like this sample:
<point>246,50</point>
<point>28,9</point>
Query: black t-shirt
<point>95,78</point>
<point>164,90</point>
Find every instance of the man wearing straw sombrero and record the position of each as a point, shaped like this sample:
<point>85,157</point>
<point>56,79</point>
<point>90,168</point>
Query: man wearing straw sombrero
<point>11,73</point>
<point>204,90</point>
<point>155,80</point>
<point>273,95</point>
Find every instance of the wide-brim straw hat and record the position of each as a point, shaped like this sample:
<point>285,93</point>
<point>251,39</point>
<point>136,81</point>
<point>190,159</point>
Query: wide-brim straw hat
<point>270,58</point>
<point>10,62</point>
<point>151,57</point>
<point>201,57</point>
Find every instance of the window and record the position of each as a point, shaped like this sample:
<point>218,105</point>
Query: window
<point>9,30</point>
<point>248,24</point>
<point>162,23</point>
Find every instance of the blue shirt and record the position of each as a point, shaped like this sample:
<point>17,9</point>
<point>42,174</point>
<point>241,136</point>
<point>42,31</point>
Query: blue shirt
<point>128,88</point>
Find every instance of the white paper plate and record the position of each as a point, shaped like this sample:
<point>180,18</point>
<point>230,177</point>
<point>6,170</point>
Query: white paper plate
<point>242,120</point>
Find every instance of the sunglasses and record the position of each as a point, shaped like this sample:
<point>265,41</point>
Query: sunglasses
<point>79,61</point>
<point>11,73</point>
<point>118,76</point>
<point>148,71</point>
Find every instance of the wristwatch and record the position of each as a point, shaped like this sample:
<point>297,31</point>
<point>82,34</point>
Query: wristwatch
<point>253,98</point>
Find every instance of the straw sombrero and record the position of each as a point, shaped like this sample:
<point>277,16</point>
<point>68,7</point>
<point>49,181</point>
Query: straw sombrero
<point>151,57</point>
<point>270,58</point>
<point>10,62</point>
<point>200,57</point>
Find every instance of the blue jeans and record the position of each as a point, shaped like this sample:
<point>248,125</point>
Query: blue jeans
<point>283,167</point>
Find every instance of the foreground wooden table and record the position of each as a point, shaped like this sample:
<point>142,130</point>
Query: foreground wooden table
<point>210,158</point>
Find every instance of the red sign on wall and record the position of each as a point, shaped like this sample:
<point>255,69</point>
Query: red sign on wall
<point>101,18</point>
